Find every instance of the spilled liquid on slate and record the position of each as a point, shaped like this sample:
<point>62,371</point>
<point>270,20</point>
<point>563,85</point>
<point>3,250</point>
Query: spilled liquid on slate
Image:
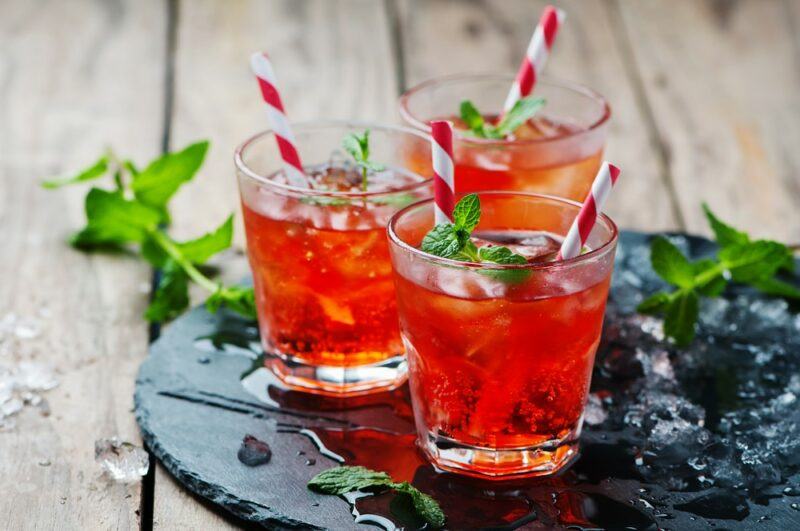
<point>705,434</point>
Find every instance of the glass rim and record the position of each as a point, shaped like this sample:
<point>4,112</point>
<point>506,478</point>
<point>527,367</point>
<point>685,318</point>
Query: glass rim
<point>422,125</point>
<point>243,167</point>
<point>540,266</point>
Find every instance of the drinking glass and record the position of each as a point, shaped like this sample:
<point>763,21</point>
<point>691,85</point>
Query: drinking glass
<point>500,356</point>
<point>557,153</point>
<point>320,259</point>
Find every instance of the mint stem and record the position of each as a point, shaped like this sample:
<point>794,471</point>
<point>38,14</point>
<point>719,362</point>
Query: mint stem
<point>169,247</point>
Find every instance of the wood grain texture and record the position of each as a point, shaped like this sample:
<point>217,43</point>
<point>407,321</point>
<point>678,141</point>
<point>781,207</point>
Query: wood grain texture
<point>74,77</point>
<point>721,78</point>
<point>441,37</point>
<point>333,59</point>
<point>185,511</point>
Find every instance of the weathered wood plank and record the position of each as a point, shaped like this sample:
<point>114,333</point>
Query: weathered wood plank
<point>74,77</point>
<point>185,511</point>
<point>722,79</point>
<point>333,60</point>
<point>441,37</point>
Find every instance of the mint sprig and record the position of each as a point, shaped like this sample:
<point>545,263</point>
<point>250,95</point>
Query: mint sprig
<point>343,479</point>
<point>453,240</point>
<point>358,147</point>
<point>134,213</point>
<point>522,111</point>
<point>739,259</point>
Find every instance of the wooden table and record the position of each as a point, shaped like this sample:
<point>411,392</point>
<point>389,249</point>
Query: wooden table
<point>706,101</point>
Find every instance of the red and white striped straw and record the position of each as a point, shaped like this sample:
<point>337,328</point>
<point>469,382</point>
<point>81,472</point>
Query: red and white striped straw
<point>587,216</point>
<point>536,55</point>
<point>444,196</point>
<point>262,68</point>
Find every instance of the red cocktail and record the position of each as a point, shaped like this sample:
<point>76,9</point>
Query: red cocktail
<point>320,259</point>
<point>500,356</point>
<point>558,152</point>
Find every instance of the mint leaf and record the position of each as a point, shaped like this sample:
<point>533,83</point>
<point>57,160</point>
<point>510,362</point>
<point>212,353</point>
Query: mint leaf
<point>239,299</point>
<point>670,264</point>
<point>712,287</point>
<point>453,241</point>
<point>358,147</point>
<point>131,167</point>
<point>472,118</point>
<point>500,255</point>
<point>201,249</point>
<point>114,220</point>
<point>467,213</point>
<point>98,169</point>
<point>468,252</point>
<point>344,479</point>
<point>157,183</point>
<point>740,259</point>
<point>754,261</point>
<point>354,145</point>
<point>153,253</point>
<point>442,240</point>
<point>522,111</point>
<point>171,296</point>
<point>654,303</point>
<point>777,288</point>
<point>681,316</point>
<point>724,233</point>
<point>425,506</point>
<point>399,199</point>
<point>503,255</point>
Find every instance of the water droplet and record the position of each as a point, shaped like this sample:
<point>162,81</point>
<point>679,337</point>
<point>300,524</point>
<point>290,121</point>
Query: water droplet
<point>311,462</point>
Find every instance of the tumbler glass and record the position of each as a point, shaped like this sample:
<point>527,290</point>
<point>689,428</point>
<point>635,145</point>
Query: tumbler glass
<point>500,356</point>
<point>320,259</point>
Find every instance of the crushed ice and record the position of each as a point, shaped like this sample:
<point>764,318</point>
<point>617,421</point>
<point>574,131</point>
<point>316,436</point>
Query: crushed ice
<point>122,461</point>
<point>22,380</point>
<point>723,412</point>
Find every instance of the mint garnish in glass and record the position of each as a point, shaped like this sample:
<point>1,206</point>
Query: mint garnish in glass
<point>454,241</point>
<point>522,111</point>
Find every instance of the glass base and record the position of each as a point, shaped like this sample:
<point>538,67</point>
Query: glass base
<point>508,463</point>
<point>339,381</point>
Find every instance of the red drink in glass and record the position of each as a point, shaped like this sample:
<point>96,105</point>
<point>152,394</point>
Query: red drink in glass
<point>500,357</point>
<point>320,259</point>
<point>558,152</point>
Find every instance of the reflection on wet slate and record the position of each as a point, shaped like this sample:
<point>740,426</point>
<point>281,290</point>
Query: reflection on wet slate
<point>677,439</point>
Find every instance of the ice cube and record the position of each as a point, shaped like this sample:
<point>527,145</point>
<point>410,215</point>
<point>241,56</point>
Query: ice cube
<point>36,376</point>
<point>535,246</point>
<point>594,413</point>
<point>122,461</point>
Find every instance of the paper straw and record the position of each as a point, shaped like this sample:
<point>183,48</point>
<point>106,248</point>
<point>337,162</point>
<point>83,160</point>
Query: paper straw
<point>536,55</point>
<point>262,68</point>
<point>587,216</point>
<point>443,171</point>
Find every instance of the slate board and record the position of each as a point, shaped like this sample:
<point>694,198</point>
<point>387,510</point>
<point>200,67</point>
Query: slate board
<point>194,412</point>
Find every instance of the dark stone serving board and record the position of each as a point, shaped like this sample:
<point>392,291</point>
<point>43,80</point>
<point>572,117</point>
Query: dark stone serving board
<point>703,437</point>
